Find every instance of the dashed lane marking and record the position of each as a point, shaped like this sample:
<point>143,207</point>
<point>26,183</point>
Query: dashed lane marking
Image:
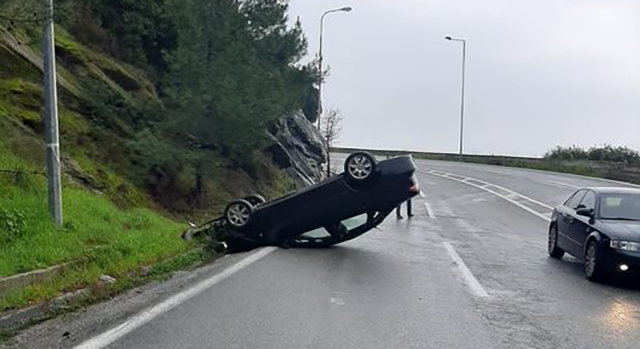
<point>430,212</point>
<point>566,185</point>
<point>471,280</point>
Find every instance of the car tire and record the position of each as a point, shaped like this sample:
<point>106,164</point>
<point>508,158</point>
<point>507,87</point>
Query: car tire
<point>552,244</point>
<point>593,269</point>
<point>360,168</point>
<point>237,215</point>
<point>255,200</point>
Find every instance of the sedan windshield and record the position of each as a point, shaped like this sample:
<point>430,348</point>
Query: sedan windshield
<point>620,206</point>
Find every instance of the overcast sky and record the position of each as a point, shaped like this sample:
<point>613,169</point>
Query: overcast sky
<point>540,73</point>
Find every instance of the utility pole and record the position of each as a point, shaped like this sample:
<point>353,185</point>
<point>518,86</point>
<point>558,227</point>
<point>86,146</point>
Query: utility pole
<point>51,116</point>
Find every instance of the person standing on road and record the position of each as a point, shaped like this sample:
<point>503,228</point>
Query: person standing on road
<point>399,208</point>
<point>409,211</point>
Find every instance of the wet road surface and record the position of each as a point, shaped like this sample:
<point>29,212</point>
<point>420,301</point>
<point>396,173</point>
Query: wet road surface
<point>470,270</point>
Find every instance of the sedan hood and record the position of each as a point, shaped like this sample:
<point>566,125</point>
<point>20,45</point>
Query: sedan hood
<point>623,230</point>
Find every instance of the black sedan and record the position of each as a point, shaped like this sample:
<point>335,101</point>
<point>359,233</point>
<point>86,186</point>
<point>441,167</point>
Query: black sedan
<point>367,189</point>
<point>600,226</point>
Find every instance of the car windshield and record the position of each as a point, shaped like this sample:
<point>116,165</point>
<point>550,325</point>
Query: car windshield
<point>620,206</point>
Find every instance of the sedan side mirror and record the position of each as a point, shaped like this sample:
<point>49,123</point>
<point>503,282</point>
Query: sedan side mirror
<point>587,212</point>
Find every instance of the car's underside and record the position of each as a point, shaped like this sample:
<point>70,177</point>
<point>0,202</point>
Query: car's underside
<point>337,233</point>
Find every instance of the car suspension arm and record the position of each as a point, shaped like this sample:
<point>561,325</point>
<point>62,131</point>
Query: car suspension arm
<point>339,233</point>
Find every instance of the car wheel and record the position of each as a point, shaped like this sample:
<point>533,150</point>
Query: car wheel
<point>360,167</point>
<point>255,200</point>
<point>238,214</point>
<point>553,249</point>
<point>592,266</point>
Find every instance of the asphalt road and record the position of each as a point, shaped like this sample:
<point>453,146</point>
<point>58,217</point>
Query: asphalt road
<point>470,270</point>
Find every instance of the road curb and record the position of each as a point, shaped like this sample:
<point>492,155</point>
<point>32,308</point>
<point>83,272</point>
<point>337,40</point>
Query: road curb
<point>15,320</point>
<point>12,283</point>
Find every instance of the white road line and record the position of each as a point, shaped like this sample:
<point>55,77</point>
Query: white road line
<point>486,186</point>
<point>472,282</point>
<point>492,171</point>
<point>422,194</point>
<point>145,316</point>
<point>564,184</point>
<point>430,212</point>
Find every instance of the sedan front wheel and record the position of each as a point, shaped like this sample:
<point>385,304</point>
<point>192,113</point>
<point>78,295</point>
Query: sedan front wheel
<point>592,266</point>
<point>552,246</point>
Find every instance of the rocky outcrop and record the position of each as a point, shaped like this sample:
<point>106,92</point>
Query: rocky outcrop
<point>299,149</point>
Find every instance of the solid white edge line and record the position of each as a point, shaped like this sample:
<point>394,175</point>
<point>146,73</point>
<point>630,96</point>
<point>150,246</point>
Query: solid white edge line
<point>472,282</point>
<point>430,212</point>
<point>538,214</point>
<point>422,195</point>
<point>149,314</point>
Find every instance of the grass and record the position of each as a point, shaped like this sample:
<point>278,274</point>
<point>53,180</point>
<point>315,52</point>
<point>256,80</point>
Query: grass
<point>105,239</point>
<point>20,99</point>
<point>4,336</point>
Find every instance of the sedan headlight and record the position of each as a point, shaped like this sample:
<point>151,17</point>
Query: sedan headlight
<point>625,245</point>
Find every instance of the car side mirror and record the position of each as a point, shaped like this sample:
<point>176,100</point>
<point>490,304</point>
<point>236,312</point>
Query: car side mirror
<point>587,212</point>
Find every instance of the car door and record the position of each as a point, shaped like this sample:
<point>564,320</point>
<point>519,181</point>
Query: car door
<point>566,220</point>
<point>581,225</point>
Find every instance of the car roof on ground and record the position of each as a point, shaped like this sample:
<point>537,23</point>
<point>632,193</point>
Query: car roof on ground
<point>615,190</point>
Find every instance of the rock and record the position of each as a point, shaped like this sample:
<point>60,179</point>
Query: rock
<point>107,279</point>
<point>146,271</point>
<point>299,149</point>
<point>73,170</point>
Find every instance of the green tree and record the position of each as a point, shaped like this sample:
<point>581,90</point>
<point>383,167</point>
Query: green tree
<point>234,71</point>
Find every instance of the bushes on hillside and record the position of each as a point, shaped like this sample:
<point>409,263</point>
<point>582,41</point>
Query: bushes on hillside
<point>596,153</point>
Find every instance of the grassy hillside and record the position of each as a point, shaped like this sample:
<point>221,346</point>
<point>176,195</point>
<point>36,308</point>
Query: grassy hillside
<point>104,126</point>
<point>136,165</point>
<point>105,238</point>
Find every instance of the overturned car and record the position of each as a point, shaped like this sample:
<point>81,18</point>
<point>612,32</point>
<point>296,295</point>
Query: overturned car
<point>368,190</point>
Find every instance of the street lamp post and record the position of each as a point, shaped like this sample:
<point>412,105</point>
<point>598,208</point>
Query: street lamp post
<point>464,57</point>
<point>343,9</point>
